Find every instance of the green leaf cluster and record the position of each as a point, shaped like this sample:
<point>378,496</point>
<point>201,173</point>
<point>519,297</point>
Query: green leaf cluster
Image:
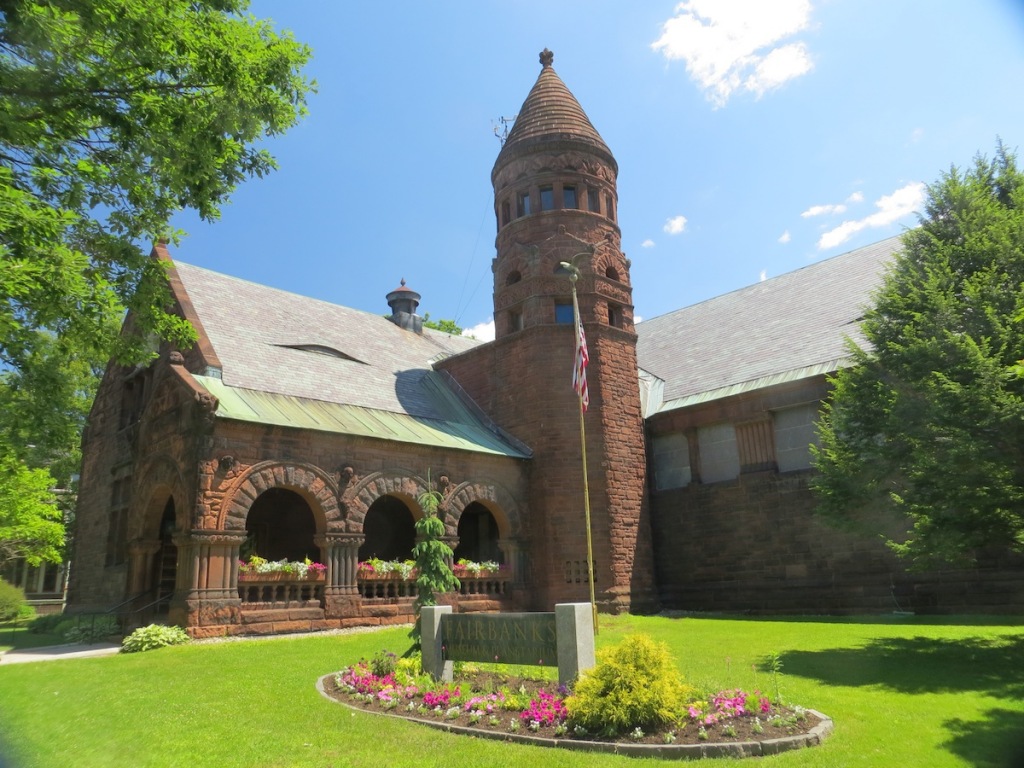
<point>153,636</point>
<point>922,439</point>
<point>12,600</point>
<point>635,684</point>
<point>115,115</point>
<point>31,525</point>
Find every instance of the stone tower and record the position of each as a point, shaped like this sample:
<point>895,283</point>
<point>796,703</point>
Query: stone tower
<point>555,201</point>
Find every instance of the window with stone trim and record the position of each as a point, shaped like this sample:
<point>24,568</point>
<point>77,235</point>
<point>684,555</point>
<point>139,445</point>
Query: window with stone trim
<point>671,458</point>
<point>614,315</point>
<point>795,433</point>
<point>506,213</point>
<point>563,313</point>
<point>117,530</point>
<point>523,204</point>
<point>569,197</point>
<point>547,198</point>
<point>515,320</point>
<point>593,200</point>
<point>719,456</point>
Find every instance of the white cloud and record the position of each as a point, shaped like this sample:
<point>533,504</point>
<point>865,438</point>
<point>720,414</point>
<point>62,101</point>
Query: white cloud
<point>648,243</point>
<point>785,237</point>
<point>822,210</point>
<point>637,319</point>
<point>856,197</point>
<point>916,135</point>
<point>764,275</point>
<point>903,202</point>
<point>675,225</point>
<point>736,44</point>
<point>483,331</point>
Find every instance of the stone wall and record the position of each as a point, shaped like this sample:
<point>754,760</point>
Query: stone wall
<point>754,545</point>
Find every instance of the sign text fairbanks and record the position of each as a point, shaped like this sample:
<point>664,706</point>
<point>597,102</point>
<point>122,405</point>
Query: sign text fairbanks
<point>507,638</point>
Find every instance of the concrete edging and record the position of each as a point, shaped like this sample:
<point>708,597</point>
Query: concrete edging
<point>661,751</point>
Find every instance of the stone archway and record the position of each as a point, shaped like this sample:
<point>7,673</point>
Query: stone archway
<point>315,486</point>
<point>281,526</point>
<point>389,530</point>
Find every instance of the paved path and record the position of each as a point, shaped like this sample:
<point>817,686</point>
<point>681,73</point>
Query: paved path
<point>52,652</point>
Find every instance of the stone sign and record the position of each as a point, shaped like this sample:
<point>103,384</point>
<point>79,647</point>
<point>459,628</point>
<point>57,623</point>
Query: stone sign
<point>506,638</point>
<point>564,639</point>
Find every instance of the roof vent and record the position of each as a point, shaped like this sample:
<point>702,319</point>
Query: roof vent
<point>403,302</point>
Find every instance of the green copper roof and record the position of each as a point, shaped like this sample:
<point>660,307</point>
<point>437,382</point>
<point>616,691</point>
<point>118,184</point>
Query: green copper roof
<point>459,429</point>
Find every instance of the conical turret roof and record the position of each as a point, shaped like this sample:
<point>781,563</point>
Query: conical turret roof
<point>551,114</point>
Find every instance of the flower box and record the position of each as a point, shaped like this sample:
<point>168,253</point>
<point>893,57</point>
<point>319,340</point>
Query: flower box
<point>278,576</point>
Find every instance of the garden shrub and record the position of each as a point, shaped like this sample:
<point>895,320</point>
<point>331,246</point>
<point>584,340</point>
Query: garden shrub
<point>46,624</point>
<point>152,637</point>
<point>634,685</point>
<point>90,629</point>
<point>12,599</point>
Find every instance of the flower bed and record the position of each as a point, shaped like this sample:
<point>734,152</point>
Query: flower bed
<point>496,704</point>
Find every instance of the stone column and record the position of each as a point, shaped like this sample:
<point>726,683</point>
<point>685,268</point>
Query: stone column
<point>207,577</point>
<point>140,564</point>
<point>341,555</point>
<point>512,549</point>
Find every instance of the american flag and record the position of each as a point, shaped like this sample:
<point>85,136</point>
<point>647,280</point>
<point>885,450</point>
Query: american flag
<point>579,371</point>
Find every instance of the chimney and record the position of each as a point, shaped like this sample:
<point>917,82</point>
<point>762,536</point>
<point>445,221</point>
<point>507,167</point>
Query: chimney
<point>403,302</point>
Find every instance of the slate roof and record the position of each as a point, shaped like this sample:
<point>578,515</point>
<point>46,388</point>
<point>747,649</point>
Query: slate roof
<point>551,113</point>
<point>292,346</point>
<point>786,328</point>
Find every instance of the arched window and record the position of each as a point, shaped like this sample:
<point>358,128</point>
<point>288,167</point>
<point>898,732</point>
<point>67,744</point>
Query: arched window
<point>611,273</point>
<point>513,277</point>
<point>478,535</point>
<point>389,530</point>
<point>281,526</point>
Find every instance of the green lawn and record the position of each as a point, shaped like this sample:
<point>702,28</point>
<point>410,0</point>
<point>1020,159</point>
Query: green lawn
<point>903,691</point>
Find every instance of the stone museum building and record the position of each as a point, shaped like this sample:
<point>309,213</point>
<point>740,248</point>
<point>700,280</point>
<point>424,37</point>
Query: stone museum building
<point>297,428</point>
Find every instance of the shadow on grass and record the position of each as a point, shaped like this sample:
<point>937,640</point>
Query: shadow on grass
<point>995,742</point>
<point>919,665</point>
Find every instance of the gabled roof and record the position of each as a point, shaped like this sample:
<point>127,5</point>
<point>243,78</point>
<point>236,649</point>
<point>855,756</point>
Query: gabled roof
<point>284,356</point>
<point>786,328</point>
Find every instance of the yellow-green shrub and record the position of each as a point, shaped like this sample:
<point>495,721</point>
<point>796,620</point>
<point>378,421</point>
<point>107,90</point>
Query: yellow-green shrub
<point>634,685</point>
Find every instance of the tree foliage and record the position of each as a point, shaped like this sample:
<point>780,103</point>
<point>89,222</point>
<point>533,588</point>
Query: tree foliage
<point>929,422</point>
<point>114,115</point>
<point>432,556</point>
<point>447,326</point>
<point>30,520</point>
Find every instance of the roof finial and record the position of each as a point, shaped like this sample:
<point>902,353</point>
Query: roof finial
<point>546,57</point>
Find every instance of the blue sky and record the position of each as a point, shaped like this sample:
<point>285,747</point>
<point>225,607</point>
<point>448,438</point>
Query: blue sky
<point>753,138</point>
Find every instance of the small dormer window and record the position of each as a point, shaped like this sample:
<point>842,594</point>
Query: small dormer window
<point>547,198</point>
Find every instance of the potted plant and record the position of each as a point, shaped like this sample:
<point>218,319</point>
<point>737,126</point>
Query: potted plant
<point>257,568</point>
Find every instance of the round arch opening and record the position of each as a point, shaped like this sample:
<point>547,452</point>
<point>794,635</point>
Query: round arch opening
<point>389,530</point>
<point>281,526</point>
<point>478,535</point>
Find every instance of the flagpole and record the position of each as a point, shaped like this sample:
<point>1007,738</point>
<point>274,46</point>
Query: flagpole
<point>573,276</point>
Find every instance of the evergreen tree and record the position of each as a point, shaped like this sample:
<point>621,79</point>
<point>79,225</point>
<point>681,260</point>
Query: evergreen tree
<point>928,423</point>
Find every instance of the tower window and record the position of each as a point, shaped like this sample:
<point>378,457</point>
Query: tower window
<point>563,313</point>
<point>506,213</point>
<point>513,277</point>
<point>515,320</point>
<point>614,315</point>
<point>523,204</point>
<point>609,208</point>
<point>611,273</point>
<point>593,200</point>
<point>569,197</point>
<point>547,198</point>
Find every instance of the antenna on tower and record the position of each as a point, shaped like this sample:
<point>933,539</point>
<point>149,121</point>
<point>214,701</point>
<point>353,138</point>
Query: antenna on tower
<point>502,132</point>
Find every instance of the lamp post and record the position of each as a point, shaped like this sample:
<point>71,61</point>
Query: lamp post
<point>574,275</point>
